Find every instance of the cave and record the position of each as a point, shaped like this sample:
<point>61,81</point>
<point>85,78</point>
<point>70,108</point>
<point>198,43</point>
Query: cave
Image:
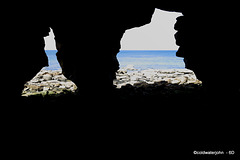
<point>206,36</point>
<point>152,82</point>
<point>195,33</point>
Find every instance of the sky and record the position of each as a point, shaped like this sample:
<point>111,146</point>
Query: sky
<point>157,35</point>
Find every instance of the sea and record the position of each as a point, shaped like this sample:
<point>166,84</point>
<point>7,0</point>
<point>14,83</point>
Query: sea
<point>139,59</point>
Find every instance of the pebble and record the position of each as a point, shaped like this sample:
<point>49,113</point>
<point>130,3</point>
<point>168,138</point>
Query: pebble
<point>150,76</point>
<point>55,82</point>
<point>48,81</point>
<point>47,77</point>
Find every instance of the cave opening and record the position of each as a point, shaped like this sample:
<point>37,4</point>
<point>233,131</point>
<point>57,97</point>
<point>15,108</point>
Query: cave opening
<point>147,60</point>
<point>148,54</point>
<point>152,46</point>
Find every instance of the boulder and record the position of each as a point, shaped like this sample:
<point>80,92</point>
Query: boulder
<point>47,77</point>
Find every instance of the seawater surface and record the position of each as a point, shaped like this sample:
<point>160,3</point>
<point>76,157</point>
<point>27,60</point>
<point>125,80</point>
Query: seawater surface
<point>140,59</point>
<point>150,59</point>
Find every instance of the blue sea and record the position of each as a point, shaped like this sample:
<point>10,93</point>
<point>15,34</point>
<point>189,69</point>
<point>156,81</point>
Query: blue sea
<point>140,59</point>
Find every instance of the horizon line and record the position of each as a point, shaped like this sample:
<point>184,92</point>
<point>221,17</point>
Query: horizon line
<point>131,50</point>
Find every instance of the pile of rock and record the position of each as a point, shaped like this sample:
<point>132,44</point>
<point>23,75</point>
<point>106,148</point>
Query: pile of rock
<point>48,82</point>
<point>150,76</point>
<point>54,82</point>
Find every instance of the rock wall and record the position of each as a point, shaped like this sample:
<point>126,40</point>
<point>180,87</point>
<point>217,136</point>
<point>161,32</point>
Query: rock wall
<point>205,34</point>
<point>96,43</point>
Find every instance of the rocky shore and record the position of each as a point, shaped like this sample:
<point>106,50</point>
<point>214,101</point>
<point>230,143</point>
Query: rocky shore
<point>48,82</point>
<point>130,75</point>
<point>54,82</point>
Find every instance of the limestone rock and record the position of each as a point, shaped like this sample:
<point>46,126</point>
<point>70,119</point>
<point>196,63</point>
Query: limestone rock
<point>47,77</point>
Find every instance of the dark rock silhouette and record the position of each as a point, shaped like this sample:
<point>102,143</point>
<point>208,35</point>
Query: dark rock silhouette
<point>205,34</point>
<point>93,42</point>
<point>89,38</point>
<point>23,47</point>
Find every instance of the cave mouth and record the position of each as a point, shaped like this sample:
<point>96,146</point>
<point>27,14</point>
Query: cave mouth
<point>151,46</point>
<point>146,62</point>
<point>148,54</point>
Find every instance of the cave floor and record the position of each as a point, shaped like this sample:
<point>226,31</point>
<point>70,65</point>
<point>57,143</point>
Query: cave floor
<point>137,95</point>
